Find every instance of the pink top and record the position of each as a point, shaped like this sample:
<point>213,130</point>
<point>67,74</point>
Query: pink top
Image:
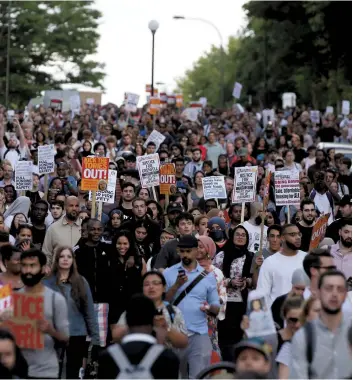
<point>343,262</point>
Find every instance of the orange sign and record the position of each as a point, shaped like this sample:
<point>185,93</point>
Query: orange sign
<point>179,100</point>
<point>28,310</point>
<point>267,189</point>
<point>319,231</point>
<point>154,105</point>
<point>148,88</point>
<point>166,178</point>
<point>5,297</point>
<point>95,173</point>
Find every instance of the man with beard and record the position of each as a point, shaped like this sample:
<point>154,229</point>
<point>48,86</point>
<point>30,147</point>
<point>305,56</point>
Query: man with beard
<point>330,355</point>
<point>234,214</point>
<point>253,226</point>
<point>306,225</point>
<point>173,211</point>
<point>38,215</point>
<point>66,231</point>
<point>345,209</point>
<point>195,165</point>
<point>342,250</point>
<point>197,355</point>
<point>277,270</point>
<point>43,364</point>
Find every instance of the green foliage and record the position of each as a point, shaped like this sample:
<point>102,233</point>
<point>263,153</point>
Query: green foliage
<point>44,36</point>
<point>287,46</point>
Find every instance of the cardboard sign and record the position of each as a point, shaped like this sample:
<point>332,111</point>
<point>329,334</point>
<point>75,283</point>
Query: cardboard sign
<point>28,310</point>
<point>315,116</point>
<point>131,102</point>
<point>148,167</point>
<point>163,97</point>
<point>166,178</point>
<point>245,180</point>
<point>46,163</point>
<point>346,107</point>
<point>23,175</point>
<point>287,189</point>
<point>107,196</point>
<point>171,100</point>
<point>155,137</point>
<point>237,90</point>
<point>154,105</point>
<point>214,187</point>
<point>329,110</point>
<point>319,231</point>
<point>289,99</point>
<point>267,116</point>
<point>6,303</point>
<point>179,100</point>
<point>95,173</point>
<point>191,113</point>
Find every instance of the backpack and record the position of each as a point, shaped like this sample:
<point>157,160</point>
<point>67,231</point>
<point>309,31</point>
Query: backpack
<point>329,197</point>
<point>310,346</point>
<point>8,150</point>
<point>135,371</point>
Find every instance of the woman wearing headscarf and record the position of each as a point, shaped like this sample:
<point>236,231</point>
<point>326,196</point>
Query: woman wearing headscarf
<point>235,263</point>
<point>205,255</point>
<point>217,228</point>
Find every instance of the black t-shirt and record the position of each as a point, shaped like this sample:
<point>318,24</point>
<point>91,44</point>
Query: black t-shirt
<point>299,155</point>
<point>328,134</point>
<point>128,214</point>
<point>306,236</point>
<point>38,236</point>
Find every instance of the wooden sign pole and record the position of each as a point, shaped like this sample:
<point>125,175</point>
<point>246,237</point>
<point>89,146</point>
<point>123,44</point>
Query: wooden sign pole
<point>93,210</point>
<point>242,212</point>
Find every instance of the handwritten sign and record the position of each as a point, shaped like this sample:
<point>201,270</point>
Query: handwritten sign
<point>148,167</point>
<point>131,102</point>
<point>315,116</point>
<point>107,196</point>
<point>155,137</point>
<point>23,175</point>
<point>319,231</point>
<point>46,156</point>
<point>237,90</point>
<point>166,178</point>
<point>329,110</point>
<point>28,310</point>
<point>287,189</point>
<point>214,187</point>
<point>346,106</point>
<point>244,184</point>
<point>95,173</point>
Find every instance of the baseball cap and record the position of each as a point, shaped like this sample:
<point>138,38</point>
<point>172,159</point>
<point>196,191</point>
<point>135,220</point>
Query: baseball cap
<point>172,207</point>
<point>187,241</point>
<point>242,152</point>
<point>169,231</point>
<point>257,344</point>
<point>346,200</point>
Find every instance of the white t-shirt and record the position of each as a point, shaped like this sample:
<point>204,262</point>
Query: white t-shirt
<point>12,155</point>
<point>275,277</point>
<point>323,205</point>
<point>254,236</point>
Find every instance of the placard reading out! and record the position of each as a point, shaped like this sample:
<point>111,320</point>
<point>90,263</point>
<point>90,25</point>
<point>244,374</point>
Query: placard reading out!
<point>148,167</point>
<point>319,231</point>
<point>95,173</point>
<point>46,155</point>
<point>244,184</point>
<point>287,190</point>
<point>166,178</point>
<point>28,310</point>
<point>107,196</point>
<point>23,175</point>
<point>214,187</point>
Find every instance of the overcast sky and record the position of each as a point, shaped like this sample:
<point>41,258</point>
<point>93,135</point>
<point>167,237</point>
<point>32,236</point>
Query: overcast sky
<point>126,42</point>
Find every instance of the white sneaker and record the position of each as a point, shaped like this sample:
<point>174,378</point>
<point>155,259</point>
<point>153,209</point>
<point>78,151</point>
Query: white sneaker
<point>81,373</point>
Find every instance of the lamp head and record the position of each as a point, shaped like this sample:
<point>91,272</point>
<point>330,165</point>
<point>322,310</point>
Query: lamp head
<point>178,17</point>
<point>153,26</point>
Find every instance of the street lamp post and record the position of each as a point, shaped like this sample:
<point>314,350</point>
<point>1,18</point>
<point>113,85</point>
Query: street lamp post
<point>221,62</point>
<point>153,26</point>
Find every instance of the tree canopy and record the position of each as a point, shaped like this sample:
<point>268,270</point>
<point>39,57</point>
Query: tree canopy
<point>297,46</point>
<point>50,44</point>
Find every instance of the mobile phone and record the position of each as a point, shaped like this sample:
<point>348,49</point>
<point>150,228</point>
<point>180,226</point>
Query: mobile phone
<point>181,272</point>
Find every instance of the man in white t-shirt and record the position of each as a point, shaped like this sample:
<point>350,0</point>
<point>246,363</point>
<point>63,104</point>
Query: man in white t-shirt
<point>276,271</point>
<point>253,226</point>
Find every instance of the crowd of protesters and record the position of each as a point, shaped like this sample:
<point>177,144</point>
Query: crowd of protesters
<point>156,286</point>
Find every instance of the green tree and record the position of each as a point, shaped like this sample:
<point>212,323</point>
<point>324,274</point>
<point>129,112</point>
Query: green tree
<point>51,45</point>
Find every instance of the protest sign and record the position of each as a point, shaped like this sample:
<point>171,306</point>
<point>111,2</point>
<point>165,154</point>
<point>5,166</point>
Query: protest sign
<point>95,173</point>
<point>319,231</point>
<point>23,175</point>
<point>245,179</point>
<point>329,110</point>
<point>27,311</point>
<point>107,196</point>
<point>287,189</point>
<point>148,167</point>
<point>163,97</point>
<point>154,105</point>
<point>155,137</point>
<point>268,116</point>
<point>131,102</point>
<point>315,116</point>
<point>171,99</point>
<point>214,187</point>
<point>346,106</point>
<point>179,100</point>
<point>191,113</point>
<point>203,101</point>
<point>6,298</point>
<point>289,99</point>
<point>237,90</point>
<point>166,178</point>
<point>46,154</point>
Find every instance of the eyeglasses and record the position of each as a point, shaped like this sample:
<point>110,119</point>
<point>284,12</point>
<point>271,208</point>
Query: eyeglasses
<point>294,234</point>
<point>293,320</point>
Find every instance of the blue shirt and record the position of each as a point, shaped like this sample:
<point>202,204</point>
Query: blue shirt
<point>204,291</point>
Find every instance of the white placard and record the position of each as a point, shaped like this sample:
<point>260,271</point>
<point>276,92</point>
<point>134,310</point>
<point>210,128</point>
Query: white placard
<point>237,90</point>
<point>90,101</point>
<point>245,180</point>
<point>315,116</point>
<point>131,102</point>
<point>191,113</point>
<point>329,110</point>
<point>203,101</point>
<point>107,196</point>
<point>289,99</point>
<point>23,175</point>
<point>155,137</point>
<point>148,167</point>
<point>287,189</point>
<point>214,187</point>
<point>346,107</point>
<point>267,116</point>
<point>46,163</point>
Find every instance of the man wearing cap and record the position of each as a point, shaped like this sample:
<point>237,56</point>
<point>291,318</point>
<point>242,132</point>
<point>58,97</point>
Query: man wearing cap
<point>243,158</point>
<point>345,208</point>
<point>173,210</point>
<point>196,303</point>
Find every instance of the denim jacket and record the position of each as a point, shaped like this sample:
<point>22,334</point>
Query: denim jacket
<point>82,322</point>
